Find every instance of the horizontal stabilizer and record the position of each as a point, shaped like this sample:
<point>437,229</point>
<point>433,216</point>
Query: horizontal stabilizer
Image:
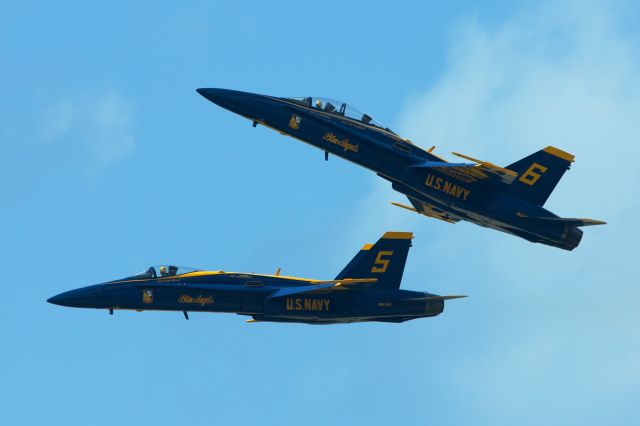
<point>445,297</point>
<point>572,221</point>
<point>436,297</point>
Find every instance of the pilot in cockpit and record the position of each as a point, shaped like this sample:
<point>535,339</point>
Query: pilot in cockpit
<point>166,271</point>
<point>319,104</point>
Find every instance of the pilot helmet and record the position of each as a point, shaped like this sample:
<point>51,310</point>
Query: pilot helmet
<point>319,104</point>
<point>163,270</point>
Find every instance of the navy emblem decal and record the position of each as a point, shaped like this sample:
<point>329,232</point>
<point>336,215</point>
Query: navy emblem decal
<point>147,296</point>
<point>294,122</point>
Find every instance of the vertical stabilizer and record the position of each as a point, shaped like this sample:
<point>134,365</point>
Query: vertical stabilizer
<point>384,260</point>
<point>538,174</point>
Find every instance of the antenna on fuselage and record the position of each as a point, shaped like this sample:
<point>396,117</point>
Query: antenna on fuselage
<point>277,274</point>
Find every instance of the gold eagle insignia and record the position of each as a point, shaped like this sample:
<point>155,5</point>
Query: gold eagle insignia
<point>294,122</point>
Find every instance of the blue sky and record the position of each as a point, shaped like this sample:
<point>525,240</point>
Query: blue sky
<point>111,162</point>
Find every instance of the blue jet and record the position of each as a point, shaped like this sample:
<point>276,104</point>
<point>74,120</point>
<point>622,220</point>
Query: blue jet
<point>367,289</point>
<point>509,199</point>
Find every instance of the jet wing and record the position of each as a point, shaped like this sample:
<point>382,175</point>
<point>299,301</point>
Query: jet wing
<point>427,210</point>
<point>471,172</point>
<point>347,281</point>
<point>321,286</point>
<point>505,175</point>
<point>288,291</point>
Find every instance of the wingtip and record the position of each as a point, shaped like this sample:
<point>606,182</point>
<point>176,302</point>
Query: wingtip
<point>393,203</point>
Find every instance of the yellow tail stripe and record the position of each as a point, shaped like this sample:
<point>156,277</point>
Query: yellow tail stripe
<point>398,235</point>
<point>559,153</point>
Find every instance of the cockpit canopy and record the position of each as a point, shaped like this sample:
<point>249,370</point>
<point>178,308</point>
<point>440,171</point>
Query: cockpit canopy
<point>159,271</point>
<point>332,106</point>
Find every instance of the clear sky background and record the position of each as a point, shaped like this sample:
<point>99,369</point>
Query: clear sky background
<point>110,162</point>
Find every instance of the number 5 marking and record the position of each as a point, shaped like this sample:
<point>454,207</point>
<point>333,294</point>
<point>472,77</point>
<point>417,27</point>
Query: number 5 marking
<point>381,264</point>
<point>532,174</point>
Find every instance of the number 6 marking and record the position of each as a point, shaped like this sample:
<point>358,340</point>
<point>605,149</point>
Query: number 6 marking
<point>532,174</point>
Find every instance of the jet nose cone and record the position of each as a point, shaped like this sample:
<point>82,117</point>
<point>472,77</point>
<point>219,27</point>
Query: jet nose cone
<point>79,298</point>
<point>222,97</point>
<point>62,299</point>
<point>249,105</point>
<point>204,92</point>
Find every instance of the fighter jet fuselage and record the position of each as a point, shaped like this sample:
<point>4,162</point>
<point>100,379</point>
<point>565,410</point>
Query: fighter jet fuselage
<point>249,294</point>
<point>367,289</point>
<point>507,199</point>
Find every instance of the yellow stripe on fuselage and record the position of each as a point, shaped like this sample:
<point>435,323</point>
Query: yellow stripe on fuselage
<point>207,273</point>
<point>212,273</point>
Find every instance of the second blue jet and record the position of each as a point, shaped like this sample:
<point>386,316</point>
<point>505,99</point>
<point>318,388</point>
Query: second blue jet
<point>367,289</point>
<point>509,199</point>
